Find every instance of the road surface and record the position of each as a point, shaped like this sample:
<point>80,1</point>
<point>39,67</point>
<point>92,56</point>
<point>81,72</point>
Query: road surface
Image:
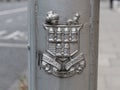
<point>13,41</point>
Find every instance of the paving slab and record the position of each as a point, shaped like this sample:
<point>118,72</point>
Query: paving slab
<point>113,82</point>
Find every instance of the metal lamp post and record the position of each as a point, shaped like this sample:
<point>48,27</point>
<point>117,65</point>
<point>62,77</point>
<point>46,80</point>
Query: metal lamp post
<point>63,51</point>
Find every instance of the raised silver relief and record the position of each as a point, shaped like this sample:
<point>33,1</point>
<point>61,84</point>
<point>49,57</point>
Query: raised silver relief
<point>63,57</point>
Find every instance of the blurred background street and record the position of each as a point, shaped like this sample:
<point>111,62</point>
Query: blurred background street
<point>14,36</point>
<point>109,48</point>
<point>13,40</point>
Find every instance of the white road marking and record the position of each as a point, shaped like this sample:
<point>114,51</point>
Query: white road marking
<point>14,45</point>
<point>17,35</point>
<point>6,12</point>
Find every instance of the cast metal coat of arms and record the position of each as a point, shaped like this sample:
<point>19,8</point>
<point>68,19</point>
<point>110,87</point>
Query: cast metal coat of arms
<point>63,57</point>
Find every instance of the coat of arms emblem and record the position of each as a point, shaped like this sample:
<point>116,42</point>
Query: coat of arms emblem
<point>63,57</point>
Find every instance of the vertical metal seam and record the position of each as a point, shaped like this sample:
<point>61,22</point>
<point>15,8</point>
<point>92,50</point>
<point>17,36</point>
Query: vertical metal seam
<point>93,41</point>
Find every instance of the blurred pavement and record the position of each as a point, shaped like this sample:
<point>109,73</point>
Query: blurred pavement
<point>109,49</point>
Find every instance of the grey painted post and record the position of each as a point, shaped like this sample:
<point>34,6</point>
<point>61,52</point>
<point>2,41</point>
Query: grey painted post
<point>63,52</point>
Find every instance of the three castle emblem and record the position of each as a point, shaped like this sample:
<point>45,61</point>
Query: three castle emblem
<point>63,57</point>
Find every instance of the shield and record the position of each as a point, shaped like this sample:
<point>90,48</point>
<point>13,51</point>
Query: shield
<point>63,40</point>
<point>62,57</point>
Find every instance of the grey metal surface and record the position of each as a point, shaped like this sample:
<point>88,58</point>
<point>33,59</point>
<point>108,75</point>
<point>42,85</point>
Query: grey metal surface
<point>88,10</point>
